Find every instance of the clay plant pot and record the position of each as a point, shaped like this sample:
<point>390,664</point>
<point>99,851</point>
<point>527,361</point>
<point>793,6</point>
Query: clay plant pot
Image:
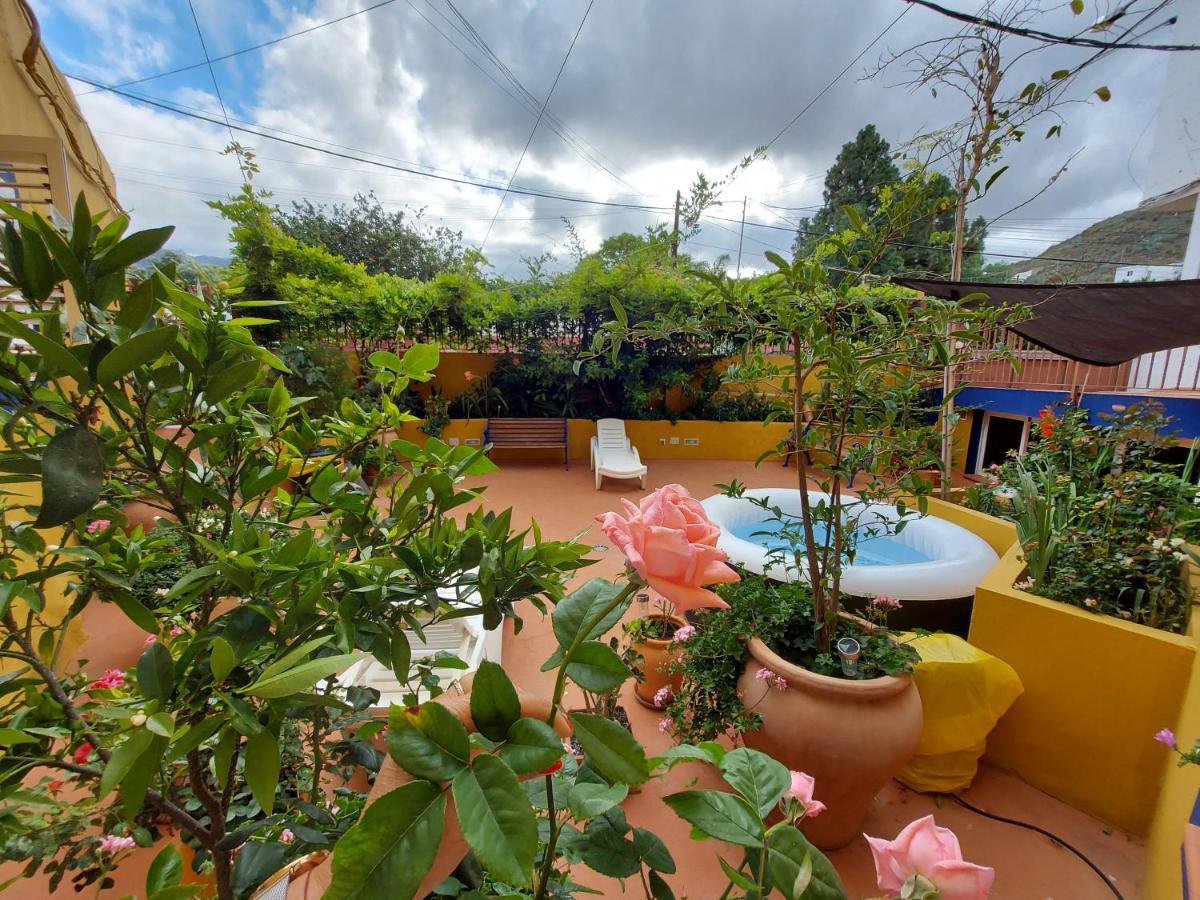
<point>138,512</point>
<point>453,847</point>
<point>852,737</point>
<point>657,654</point>
<point>111,639</point>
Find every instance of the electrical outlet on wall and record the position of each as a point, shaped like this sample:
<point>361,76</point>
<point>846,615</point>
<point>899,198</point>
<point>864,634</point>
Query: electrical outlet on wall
<point>472,442</point>
<point>662,442</point>
<point>453,442</point>
<point>674,440</point>
<point>691,442</point>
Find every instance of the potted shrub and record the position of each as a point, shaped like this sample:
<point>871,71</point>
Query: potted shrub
<point>652,637</point>
<point>857,365</point>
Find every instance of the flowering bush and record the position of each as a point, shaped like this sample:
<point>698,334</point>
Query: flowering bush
<point>1103,525</point>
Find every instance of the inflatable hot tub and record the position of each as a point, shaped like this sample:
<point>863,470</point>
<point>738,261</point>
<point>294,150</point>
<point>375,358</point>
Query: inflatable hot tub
<point>929,559</point>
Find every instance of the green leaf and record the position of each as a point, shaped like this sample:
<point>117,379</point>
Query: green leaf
<point>289,659</point>
<point>278,401</point>
<point>136,611</point>
<point>608,852</point>
<point>389,850</point>
<point>431,744</point>
<point>497,819</point>
<point>166,869</point>
<point>11,736</point>
<point>587,799</point>
<point>56,359</point>
<point>723,816</point>
<point>573,613</point>
<point>1077,7</point>
<point>162,724</point>
<point>531,745</point>
<point>141,775</point>
<point>156,672</point>
<point>137,306</point>
<point>262,768</point>
<point>596,667</point>
<point>757,777</point>
<point>234,378</point>
<point>301,677</point>
<point>659,889</point>
<point>994,176</point>
<point>787,852</point>
<point>738,878</point>
<point>1104,94</point>
<point>72,476</point>
<point>611,750</point>
<point>401,654</point>
<point>122,759</point>
<point>385,359</point>
<point>419,360</point>
<point>653,851</point>
<point>494,703</point>
<point>222,660</point>
<point>136,247</point>
<point>138,351</point>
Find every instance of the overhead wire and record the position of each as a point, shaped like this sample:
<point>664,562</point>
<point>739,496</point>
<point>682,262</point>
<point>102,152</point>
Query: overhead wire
<point>217,87</point>
<point>537,121</point>
<point>244,50</point>
<point>472,182</point>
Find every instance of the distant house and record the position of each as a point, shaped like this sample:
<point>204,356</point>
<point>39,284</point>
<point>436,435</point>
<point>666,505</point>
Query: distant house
<point>1147,273</point>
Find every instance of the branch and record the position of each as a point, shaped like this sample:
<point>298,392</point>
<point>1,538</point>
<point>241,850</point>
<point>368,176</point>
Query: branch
<point>1047,37</point>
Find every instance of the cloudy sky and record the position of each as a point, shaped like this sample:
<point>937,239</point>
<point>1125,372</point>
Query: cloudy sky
<point>653,92</point>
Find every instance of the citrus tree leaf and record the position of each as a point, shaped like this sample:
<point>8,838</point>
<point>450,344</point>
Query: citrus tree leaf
<point>719,815</point>
<point>72,476</point>
<point>494,703</point>
<point>430,744</point>
<point>610,749</point>
<point>262,768</point>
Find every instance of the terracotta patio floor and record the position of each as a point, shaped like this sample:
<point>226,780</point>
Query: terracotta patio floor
<point>1028,865</point>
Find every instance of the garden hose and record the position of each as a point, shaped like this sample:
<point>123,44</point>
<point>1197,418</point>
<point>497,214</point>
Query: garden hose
<point>1054,837</point>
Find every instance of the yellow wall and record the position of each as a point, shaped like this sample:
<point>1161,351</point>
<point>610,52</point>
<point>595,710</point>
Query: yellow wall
<point>51,127</point>
<point>999,533</point>
<point>1179,791</point>
<point>718,440</point>
<point>1096,691</point>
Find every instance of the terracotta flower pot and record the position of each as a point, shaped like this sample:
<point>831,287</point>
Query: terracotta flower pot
<point>851,736</point>
<point>138,512</point>
<point>657,654</point>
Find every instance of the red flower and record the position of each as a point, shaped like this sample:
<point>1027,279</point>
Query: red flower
<point>550,770</point>
<point>1048,422</point>
<point>55,786</point>
<point>82,752</point>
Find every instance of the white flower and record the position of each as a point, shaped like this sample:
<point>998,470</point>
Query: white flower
<point>232,553</point>
<point>1177,542</point>
<point>1182,557</point>
<point>1127,561</point>
<point>161,592</point>
<point>137,720</point>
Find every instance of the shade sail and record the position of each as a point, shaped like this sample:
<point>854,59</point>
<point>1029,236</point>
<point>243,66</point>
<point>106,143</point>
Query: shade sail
<point>1101,324</point>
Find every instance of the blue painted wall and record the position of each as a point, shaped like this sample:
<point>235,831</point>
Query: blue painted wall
<point>1185,411</point>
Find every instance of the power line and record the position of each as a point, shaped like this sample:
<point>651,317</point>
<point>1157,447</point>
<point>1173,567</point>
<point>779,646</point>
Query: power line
<point>838,76</point>
<point>398,168</point>
<point>536,122</point>
<point>216,87</point>
<point>929,247</point>
<point>244,50</point>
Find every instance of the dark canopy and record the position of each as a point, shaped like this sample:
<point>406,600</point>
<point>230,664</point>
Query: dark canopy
<point>1101,324</point>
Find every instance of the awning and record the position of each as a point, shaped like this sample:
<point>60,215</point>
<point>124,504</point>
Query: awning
<point>1101,324</point>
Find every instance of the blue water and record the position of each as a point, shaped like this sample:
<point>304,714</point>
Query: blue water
<point>872,549</point>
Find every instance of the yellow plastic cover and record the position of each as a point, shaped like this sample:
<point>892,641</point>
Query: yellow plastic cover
<point>964,692</point>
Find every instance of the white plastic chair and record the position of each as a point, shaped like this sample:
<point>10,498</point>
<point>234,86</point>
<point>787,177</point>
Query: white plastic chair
<point>466,638</point>
<point>613,454</point>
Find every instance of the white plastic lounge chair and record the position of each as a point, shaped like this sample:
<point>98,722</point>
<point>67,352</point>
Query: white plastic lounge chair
<point>466,638</point>
<point>613,455</point>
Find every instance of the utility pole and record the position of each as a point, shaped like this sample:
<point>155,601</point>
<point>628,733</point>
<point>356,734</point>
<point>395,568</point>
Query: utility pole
<point>675,229</point>
<point>741,234</point>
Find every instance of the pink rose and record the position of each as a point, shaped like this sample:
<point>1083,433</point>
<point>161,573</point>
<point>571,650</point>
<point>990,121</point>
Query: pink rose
<point>286,836</point>
<point>924,850</point>
<point>672,545</point>
<point>802,789</point>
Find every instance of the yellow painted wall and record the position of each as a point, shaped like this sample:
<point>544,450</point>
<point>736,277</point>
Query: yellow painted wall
<point>718,440</point>
<point>56,128</point>
<point>999,533</point>
<point>1179,791</point>
<point>1096,691</point>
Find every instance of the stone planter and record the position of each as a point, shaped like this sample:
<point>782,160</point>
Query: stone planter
<point>851,736</point>
<point>657,654</point>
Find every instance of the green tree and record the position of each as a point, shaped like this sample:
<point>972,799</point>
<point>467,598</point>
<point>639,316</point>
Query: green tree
<point>863,166</point>
<point>385,242</point>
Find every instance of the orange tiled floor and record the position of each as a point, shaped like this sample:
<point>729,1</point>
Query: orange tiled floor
<point>1027,865</point>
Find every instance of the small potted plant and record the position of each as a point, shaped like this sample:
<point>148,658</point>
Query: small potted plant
<point>652,636</point>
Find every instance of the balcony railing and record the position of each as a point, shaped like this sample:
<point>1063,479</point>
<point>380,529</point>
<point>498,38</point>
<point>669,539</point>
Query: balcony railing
<point>1174,371</point>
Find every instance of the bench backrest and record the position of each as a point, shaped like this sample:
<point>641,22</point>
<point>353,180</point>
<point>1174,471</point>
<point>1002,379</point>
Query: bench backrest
<point>548,432</point>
